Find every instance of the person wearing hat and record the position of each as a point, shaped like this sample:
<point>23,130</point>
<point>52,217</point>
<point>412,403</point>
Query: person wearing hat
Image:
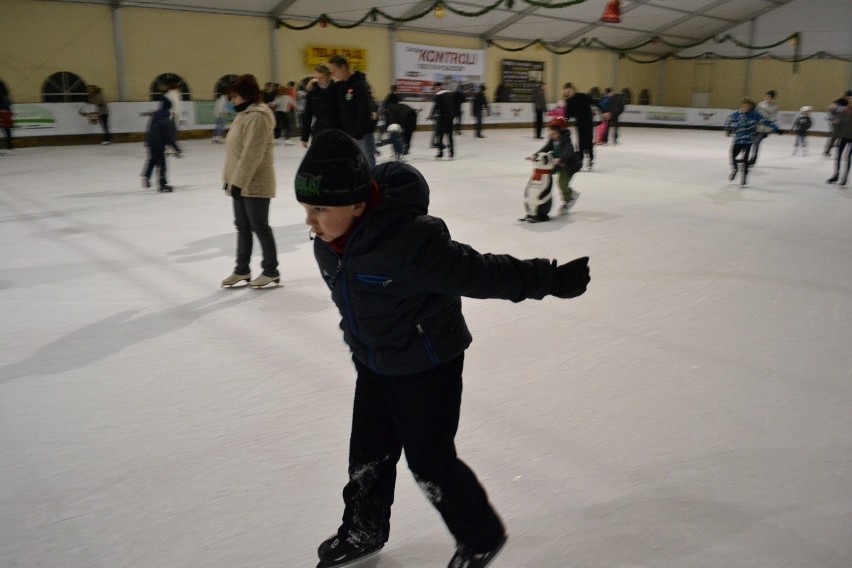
<point>801,126</point>
<point>249,178</point>
<point>566,160</point>
<point>397,279</point>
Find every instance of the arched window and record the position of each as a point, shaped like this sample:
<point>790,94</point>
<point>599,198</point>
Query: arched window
<point>627,95</point>
<point>222,84</point>
<point>644,97</point>
<point>163,82</point>
<point>64,87</point>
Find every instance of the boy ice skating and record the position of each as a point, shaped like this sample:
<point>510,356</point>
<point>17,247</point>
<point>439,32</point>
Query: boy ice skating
<point>397,278</point>
<point>743,125</point>
<point>160,134</point>
<point>566,160</point>
<point>801,126</point>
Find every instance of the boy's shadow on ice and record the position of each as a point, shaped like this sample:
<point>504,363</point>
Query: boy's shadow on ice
<point>286,240</point>
<point>105,337</point>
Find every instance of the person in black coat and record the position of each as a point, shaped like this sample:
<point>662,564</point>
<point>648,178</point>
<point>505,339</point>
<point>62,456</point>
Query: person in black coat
<point>459,98</point>
<point>480,105</point>
<point>355,113</point>
<point>397,278</point>
<point>320,105</point>
<point>443,112</point>
<point>159,135</point>
<point>392,98</point>
<point>406,117</point>
<point>578,106</point>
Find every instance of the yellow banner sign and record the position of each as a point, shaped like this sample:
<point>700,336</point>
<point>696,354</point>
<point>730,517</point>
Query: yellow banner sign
<point>320,54</point>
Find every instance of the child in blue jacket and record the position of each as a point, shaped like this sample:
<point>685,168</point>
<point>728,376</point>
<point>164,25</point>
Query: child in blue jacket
<point>397,279</point>
<point>743,125</point>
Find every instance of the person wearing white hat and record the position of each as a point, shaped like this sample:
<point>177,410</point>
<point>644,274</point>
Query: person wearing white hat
<point>801,126</point>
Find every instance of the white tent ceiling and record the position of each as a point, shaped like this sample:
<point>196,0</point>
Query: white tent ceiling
<point>678,22</point>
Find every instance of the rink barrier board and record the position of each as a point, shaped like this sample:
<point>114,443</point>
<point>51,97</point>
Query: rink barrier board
<point>38,124</point>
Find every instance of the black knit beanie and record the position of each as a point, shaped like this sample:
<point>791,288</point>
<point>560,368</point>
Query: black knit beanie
<point>334,171</point>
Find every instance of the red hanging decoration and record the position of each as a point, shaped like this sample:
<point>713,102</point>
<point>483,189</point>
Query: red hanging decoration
<point>323,21</point>
<point>612,14</point>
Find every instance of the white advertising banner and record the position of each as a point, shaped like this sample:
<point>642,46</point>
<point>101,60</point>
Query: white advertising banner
<point>419,67</point>
<point>62,119</point>
<point>712,117</point>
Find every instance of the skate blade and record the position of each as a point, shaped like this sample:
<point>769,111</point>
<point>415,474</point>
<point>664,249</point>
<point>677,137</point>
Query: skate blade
<point>352,562</point>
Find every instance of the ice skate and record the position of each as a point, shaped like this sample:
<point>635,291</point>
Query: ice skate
<point>263,281</point>
<point>165,188</point>
<point>467,558</point>
<point>337,551</point>
<point>570,203</point>
<point>832,179</point>
<point>146,183</point>
<point>235,279</point>
<point>733,174</point>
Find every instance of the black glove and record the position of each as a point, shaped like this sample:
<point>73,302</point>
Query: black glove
<point>570,280</point>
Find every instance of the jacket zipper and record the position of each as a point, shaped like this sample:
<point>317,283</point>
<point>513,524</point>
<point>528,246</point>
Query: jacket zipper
<point>427,345</point>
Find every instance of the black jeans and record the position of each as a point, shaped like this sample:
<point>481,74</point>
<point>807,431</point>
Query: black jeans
<point>156,158</point>
<point>843,144</point>
<point>251,215</point>
<point>9,145</point>
<point>105,125</point>
<point>478,119</point>
<point>755,146</point>
<point>418,413</point>
<point>613,129</point>
<point>539,122</point>
<point>445,128</point>
<point>738,149</point>
<point>585,141</point>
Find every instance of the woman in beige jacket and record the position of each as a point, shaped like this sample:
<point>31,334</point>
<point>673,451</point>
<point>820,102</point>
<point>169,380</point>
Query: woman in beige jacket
<point>249,179</point>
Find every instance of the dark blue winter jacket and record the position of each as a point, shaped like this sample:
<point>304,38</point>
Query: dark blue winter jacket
<point>161,130</point>
<point>399,282</point>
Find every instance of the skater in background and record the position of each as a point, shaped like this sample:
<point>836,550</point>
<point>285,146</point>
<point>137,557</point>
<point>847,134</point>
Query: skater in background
<point>801,126</point>
<point>442,113</point>
<point>397,278</point>
<point>96,98</point>
<point>7,120</point>
<point>459,99</point>
<point>579,107</point>
<point>768,110</point>
<point>173,93</point>
<point>249,178</point>
<point>844,145</point>
<point>612,106</point>
<point>320,104</point>
<point>284,106</point>
<point>158,136</point>
<point>222,110</point>
<point>742,124</point>
<point>406,117</point>
<point>835,112</point>
<point>480,105</point>
<point>392,98</point>
<point>355,112</point>
<point>566,161</point>
<point>539,103</point>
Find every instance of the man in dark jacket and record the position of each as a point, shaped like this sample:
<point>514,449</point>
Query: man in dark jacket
<point>320,105</point>
<point>406,117</point>
<point>397,278</point>
<point>539,107</point>
<point>578,106</point>
<point>159,135</point>
<point>480,105</point>
<point>459,98</point>
<point>443,112</point>
<point>354,105</point>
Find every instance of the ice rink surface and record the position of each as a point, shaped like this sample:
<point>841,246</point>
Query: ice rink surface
<point>692,409</point>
